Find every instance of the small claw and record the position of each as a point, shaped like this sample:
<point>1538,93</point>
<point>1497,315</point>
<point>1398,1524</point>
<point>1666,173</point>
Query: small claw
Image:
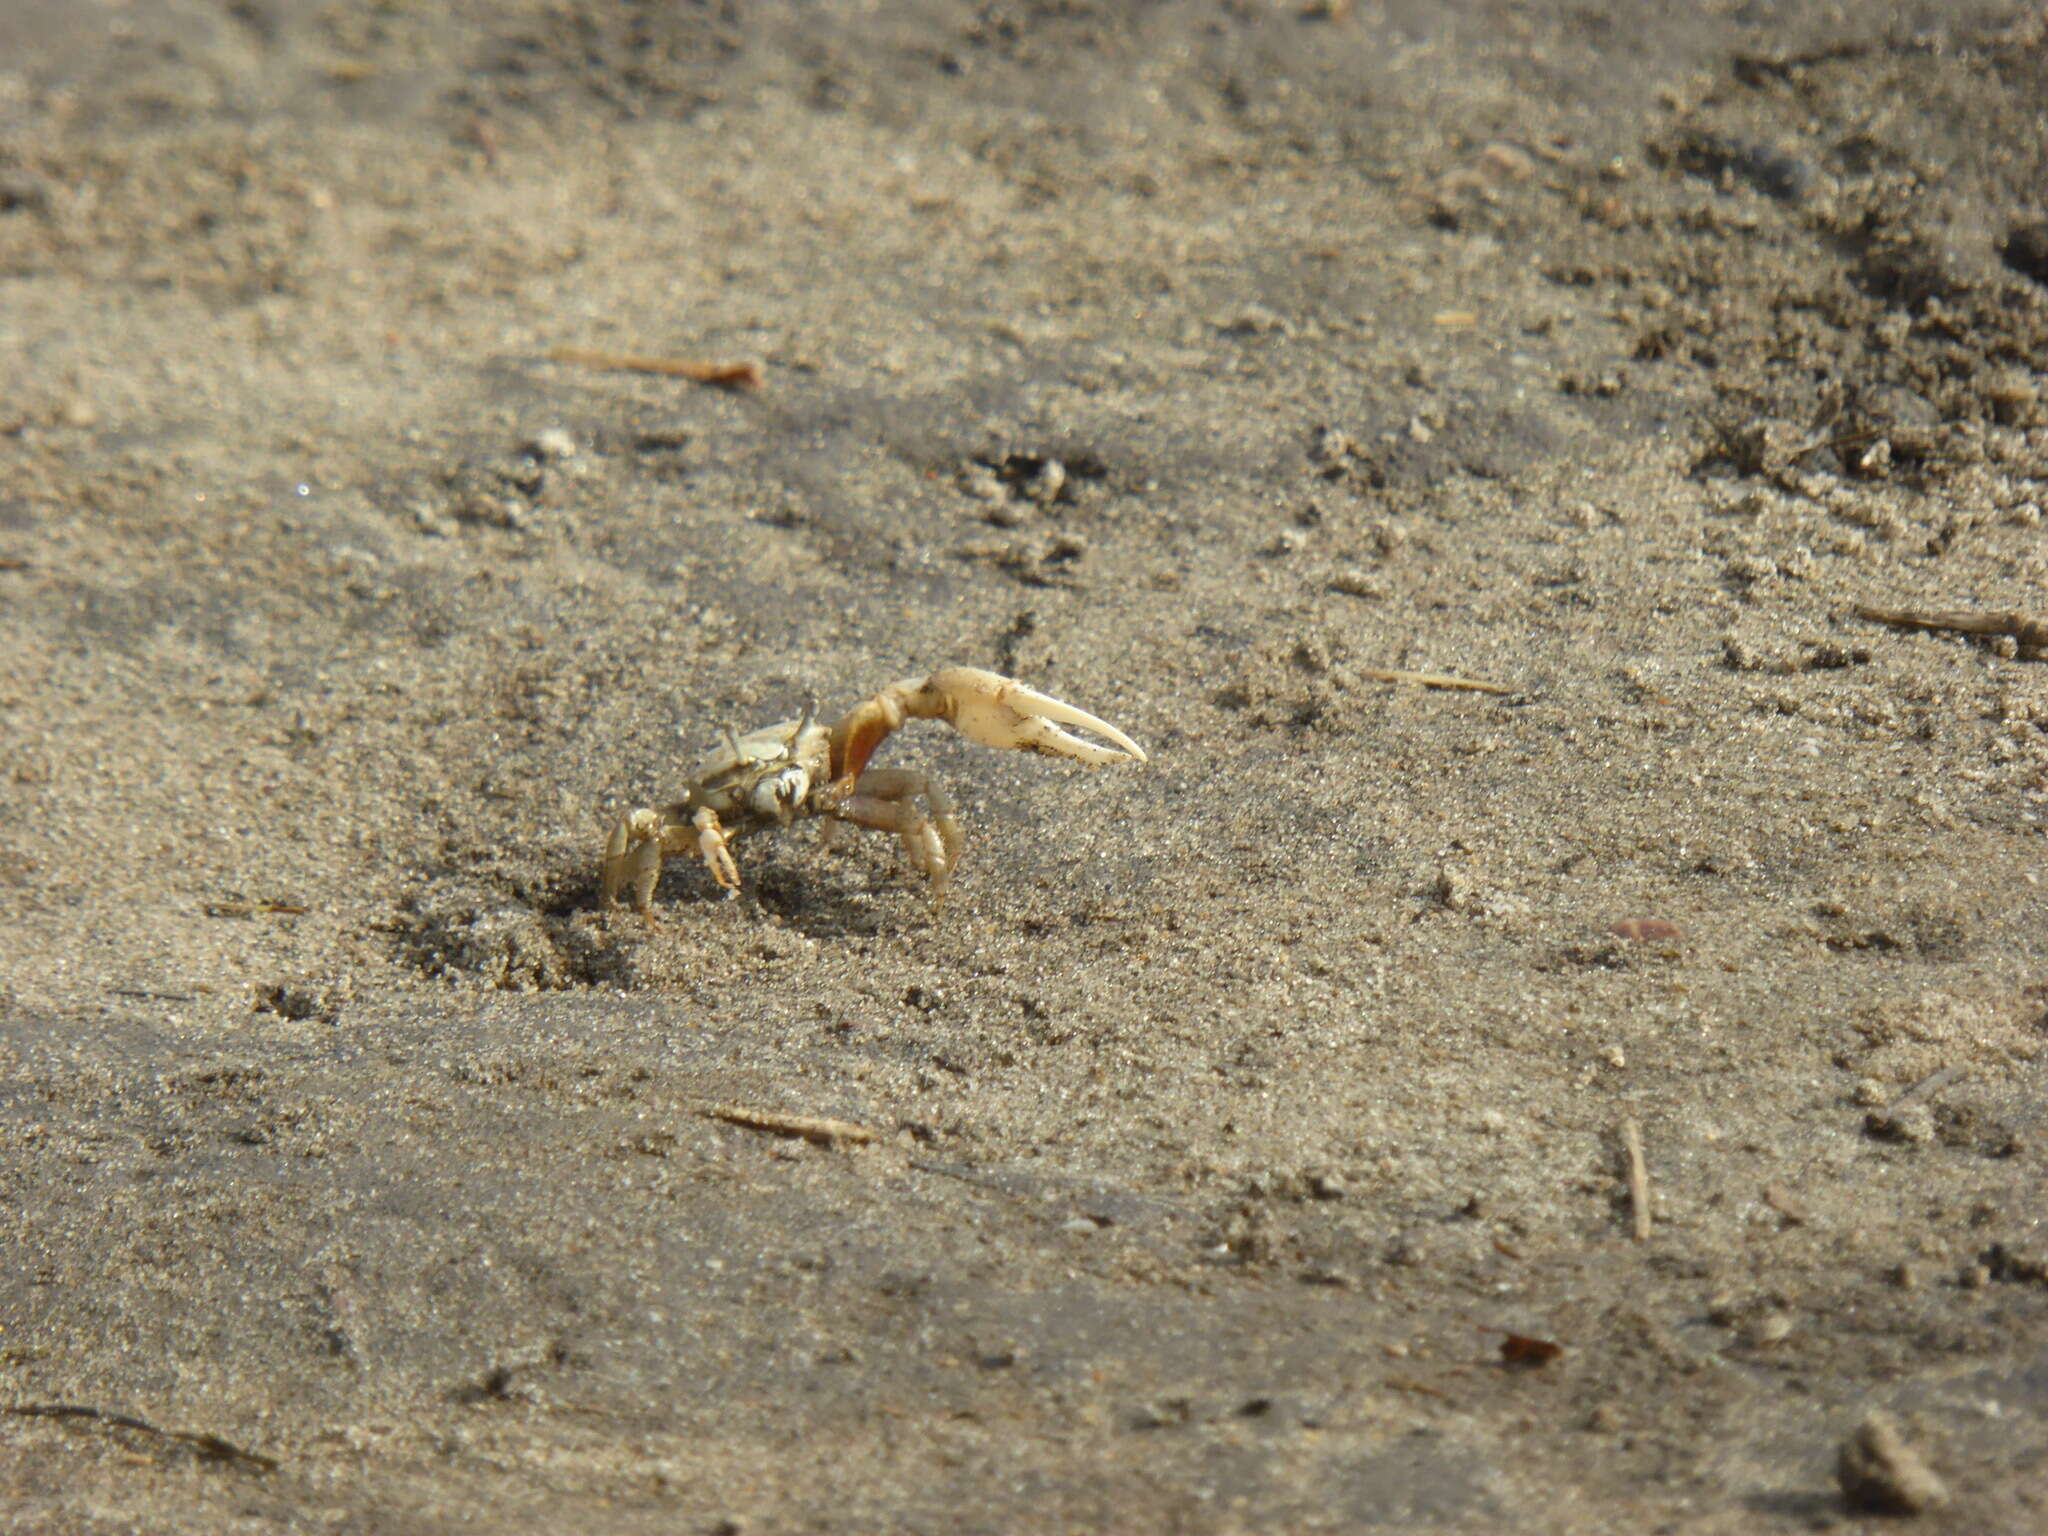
<point>1002,712</point>
<point>712,849</point>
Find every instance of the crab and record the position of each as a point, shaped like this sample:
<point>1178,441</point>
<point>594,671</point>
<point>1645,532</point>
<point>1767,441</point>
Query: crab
<point>797,768</point>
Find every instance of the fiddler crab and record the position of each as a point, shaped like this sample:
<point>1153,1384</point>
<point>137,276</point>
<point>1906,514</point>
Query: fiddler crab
<point>796,768</point>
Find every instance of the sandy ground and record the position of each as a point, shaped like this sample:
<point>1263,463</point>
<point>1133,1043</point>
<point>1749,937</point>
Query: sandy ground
<point>1244,1115</point>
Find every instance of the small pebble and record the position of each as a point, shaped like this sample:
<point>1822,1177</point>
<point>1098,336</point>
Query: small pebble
<point>1912,1124</point>
<point>1772,1328</point>
<point>551,443</point>
<point>1878,1471</point>
<point>983,483</point>
<point>1045,486</point>
<point>1357,583</point>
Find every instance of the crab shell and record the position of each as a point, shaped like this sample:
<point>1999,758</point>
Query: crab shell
<point>766,778</point>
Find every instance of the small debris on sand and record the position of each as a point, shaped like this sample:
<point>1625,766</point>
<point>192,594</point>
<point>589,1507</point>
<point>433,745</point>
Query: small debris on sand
<point>1878,1471</point>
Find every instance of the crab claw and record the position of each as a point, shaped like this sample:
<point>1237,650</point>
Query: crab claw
<point>983,706</point>
<point>1001,712</point>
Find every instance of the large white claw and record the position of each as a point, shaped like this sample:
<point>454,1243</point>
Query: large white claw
<point>996,711</point>
<point>1002,712</point>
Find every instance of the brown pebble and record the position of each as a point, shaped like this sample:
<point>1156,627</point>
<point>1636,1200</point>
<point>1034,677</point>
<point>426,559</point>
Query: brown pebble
<point>1522,1352</point>
<point>1878,1471</point>
<point>1646,930</point>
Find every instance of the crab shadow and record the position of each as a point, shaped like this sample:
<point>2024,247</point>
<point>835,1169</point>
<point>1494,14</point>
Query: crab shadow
<point>838,899</point>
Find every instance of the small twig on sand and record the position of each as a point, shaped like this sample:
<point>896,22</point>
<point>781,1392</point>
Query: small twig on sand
<point>254,908</point>
<point>824,1132</point>
<point>1638,1178</point>
<point>1787,1204</point>
<point>1430,680</point>
<point>745,375</point>
<point>208,1447</point>
<point>1824,440</point>
<point>1930,1083</point>
<point>1419,1388</point>
<point>2030,634</point>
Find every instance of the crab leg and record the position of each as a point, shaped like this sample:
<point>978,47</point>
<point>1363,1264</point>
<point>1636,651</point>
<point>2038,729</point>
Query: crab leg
<point>993,710</point>
<point>639,840</point>
<point>632,858</point>
<point>886,802</point>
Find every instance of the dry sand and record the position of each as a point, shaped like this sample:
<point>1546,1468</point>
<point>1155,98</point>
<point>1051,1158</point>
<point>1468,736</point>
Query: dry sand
<point>1249,1123</point>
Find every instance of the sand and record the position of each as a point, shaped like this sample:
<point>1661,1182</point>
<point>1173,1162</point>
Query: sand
<point>1244,1146</point>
